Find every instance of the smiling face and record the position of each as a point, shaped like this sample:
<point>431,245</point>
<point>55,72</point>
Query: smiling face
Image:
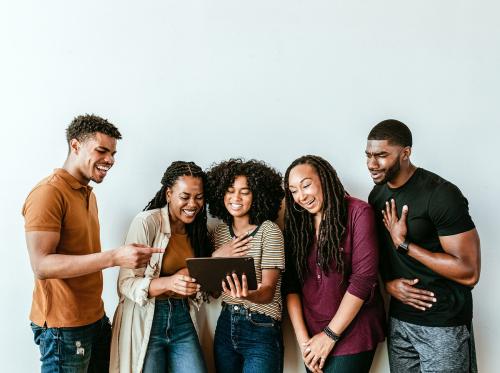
<point>305,186</point>
<point>93,157</point>
<point>384,160</point>
<point>238,198</point>
<point>185,199</point>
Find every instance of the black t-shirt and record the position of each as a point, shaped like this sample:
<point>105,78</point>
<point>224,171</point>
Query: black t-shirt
<point>436,208</point>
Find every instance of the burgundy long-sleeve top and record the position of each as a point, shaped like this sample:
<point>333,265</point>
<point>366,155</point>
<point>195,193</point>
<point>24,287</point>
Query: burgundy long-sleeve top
<point>321,293</point>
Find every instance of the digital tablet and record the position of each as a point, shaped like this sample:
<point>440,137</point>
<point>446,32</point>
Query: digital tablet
<point>209,272</point>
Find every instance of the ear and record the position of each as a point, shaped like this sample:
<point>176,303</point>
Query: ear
<point>168,194</point>
<point>74,145</point>
<point>406,153</point>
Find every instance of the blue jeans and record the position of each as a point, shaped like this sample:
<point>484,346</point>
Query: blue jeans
<point>173,342</point>
<point>74,350</point>
<point>247,342</point>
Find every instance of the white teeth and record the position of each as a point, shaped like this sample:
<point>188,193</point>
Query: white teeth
<point>189,212</point>
<point>103,168</point>
<point>236,205</point>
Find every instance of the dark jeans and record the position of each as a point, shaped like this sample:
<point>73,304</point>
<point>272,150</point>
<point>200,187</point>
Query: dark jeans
<point>173,343</point>
<point>355,363</point>
<point>74,350</point>
<point>247,342</point>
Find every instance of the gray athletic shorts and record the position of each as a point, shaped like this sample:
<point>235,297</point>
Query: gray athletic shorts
<point>415,348</point>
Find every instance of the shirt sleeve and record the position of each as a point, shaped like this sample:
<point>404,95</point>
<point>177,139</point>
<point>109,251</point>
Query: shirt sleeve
<point>363,277</point>
<point>273,252</point>
<point>44,209</point>
<point>132,283</point>
<point>449,210</point>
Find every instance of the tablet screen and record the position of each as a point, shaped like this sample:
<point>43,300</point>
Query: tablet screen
<point>209,272</point>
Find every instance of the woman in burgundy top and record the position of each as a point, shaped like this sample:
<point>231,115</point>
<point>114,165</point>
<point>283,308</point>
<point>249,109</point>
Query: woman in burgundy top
<point>331,283</point>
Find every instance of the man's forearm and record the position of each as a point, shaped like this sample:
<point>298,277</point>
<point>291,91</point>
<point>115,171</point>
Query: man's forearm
<point>54,266</point>
<point>447,265</point>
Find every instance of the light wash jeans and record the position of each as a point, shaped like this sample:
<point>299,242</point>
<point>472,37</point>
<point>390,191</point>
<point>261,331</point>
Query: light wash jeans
<point>173,342</point>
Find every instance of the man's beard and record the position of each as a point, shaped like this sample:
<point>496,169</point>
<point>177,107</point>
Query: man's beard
<point>391,173</point>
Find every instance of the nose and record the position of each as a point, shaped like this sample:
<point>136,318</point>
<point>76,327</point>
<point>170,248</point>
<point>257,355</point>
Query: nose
<point>109,159</point>
<point>371,162</point>
<point>301,196</point>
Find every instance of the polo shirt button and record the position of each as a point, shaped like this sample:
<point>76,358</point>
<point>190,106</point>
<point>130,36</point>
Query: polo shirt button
<point>319,276</point>
<point>236,308</point>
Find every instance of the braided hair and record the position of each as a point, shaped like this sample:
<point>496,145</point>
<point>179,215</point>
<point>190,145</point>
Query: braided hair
<point>299,225</point>
<point>197,230</point>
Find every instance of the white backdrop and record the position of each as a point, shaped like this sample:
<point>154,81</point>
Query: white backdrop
<point>274,79</point>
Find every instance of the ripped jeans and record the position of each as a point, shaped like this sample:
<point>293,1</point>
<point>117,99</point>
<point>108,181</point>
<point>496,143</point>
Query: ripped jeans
<point>74,350</point>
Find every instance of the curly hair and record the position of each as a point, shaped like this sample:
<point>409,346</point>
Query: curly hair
<point>264,182</point>
<point>197,230</point>
<point>85,126</point>
<point>299,226</point>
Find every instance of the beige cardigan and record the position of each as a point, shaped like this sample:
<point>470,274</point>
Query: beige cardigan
<point>134,315</point>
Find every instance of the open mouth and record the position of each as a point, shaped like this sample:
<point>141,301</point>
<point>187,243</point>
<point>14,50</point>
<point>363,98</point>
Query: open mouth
<point>236,206</point>
<point>309,204</point>
<point>189,212</point>
<point>103,169</point>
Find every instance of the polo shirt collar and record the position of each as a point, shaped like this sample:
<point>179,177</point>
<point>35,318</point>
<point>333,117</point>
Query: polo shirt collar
<point>70,179</point>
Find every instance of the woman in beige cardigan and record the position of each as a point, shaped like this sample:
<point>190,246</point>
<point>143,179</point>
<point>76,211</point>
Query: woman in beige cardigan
<point>152,328</point>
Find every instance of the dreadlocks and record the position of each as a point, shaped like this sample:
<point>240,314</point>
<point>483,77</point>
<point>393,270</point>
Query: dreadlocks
<point>299,226</point>
<point>197,230</point>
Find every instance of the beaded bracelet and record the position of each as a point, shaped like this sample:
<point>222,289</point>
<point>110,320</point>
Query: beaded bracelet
<point>331,334</point>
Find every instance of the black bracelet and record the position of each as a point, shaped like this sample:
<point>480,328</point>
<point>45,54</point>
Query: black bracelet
<point>331,334</point>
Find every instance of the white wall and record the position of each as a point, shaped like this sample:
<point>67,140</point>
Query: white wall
<point>274,79</point>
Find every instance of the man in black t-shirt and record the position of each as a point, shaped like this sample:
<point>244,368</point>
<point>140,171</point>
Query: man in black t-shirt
<point>429,260</point>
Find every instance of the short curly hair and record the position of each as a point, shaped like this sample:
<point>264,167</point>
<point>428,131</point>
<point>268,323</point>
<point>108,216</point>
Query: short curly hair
<point>84,126</point>
<point>264,182</point>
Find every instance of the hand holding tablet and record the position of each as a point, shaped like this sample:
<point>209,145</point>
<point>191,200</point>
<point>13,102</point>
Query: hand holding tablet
<point>211,272</point>
<point>235,288</point>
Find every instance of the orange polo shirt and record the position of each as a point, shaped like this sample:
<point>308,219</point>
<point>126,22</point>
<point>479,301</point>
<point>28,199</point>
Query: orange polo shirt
<point>59,203</point>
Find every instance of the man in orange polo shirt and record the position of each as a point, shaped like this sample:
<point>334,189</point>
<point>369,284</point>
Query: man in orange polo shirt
<point>62,235</point>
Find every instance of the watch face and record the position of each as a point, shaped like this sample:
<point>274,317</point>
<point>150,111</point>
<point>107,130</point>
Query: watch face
<point>403,247</point>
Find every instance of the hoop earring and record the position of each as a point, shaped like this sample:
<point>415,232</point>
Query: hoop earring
<point>296,209</point>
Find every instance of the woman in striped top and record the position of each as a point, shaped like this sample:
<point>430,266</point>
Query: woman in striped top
<point>247,197</point>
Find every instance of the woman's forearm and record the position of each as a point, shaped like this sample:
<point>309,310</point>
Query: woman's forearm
<point>294,306</point>
<point>347,311</point>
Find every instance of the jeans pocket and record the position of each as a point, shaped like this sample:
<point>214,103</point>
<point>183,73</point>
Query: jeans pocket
<point>258,319</point>
<point>39,337</point>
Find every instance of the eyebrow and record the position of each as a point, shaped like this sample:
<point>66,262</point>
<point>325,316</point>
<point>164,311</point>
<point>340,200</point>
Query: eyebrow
<point>300,182</point>
<point>375,153</point>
